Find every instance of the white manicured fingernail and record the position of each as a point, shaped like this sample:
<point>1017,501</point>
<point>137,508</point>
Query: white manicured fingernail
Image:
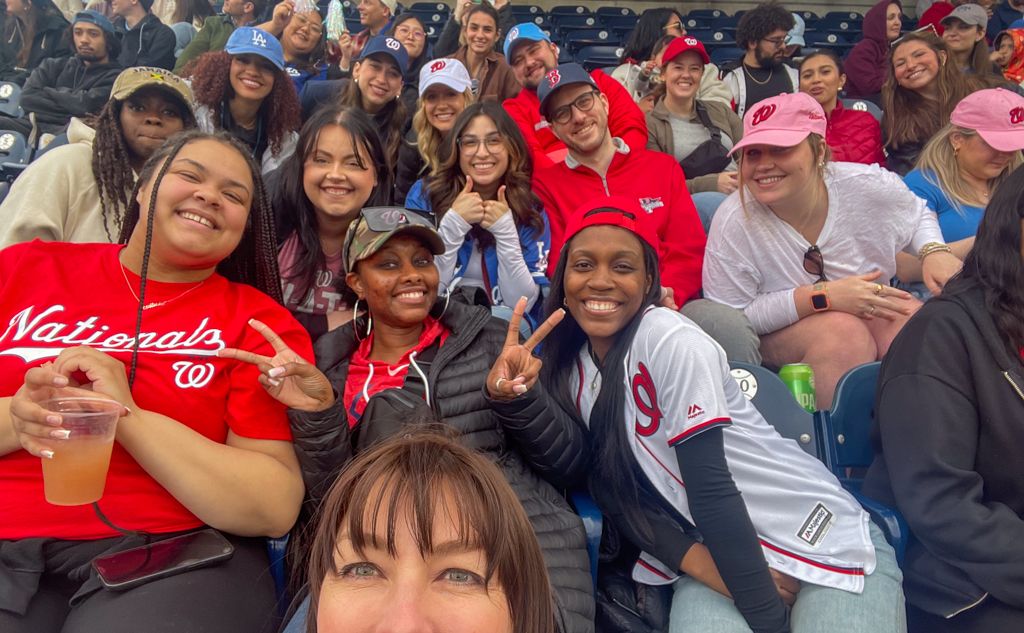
<point>519,389</point>
<point>53,419</point>
<point>46,454</point>
<point>60,434</point>
<point>275,372</point>
<point>274,382</point>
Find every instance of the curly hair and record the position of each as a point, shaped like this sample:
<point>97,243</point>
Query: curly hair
<point>648,30</point>
<point>761,21</point>
<point>112,161</point>
<point>908,116</point>
<point>447,182</point>
<point>210,75</point>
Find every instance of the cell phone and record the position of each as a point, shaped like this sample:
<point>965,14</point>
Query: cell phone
<point>139,565</point>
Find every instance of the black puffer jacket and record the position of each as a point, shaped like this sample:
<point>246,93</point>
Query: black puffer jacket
<point>527,438</point>
<point>50,40</point>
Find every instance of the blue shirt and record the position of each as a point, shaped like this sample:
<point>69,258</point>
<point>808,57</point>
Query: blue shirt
<point>957,221</point>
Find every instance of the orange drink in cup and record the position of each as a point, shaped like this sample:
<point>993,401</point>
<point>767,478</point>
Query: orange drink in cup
<point>78,470</point>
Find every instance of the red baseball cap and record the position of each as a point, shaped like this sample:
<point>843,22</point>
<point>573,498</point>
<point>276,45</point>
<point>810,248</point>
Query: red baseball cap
<point>620,211</point>
<point>782,121</point>
<point>997,115</point>
<point>683,44</point>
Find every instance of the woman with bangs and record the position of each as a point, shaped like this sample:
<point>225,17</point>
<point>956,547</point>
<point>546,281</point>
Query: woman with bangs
<point>245,91</point>
<point>421,531</point>
<point>921,90</point>
<point>338,168</point>
<point>806,247</point>
<point>445,91</point>
<point>495,231</point>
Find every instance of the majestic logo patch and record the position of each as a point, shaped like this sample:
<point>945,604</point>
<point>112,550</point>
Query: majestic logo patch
<point>816,525</point>
<point>694,411</point>
<point>646,399</point>
<point>763,113</point>
<point>650,204</point>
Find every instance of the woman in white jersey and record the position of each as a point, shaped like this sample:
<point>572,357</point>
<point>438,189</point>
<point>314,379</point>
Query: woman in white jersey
<point>806,247</point>
<point>670,427</point>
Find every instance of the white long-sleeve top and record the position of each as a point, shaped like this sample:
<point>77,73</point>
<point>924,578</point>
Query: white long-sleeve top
<point>754,260</point>
<point>514,277</point>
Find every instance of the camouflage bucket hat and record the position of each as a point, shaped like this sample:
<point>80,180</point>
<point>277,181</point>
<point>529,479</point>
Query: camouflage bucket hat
<point>376,225</point>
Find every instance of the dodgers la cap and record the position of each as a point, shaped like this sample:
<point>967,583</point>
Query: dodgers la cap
<point>387,46</point>
<point>524,32</point>
<point>447,72</point>
<point>620,211</point>
<point>250,40</point>
<point>996,114</point>
<point>559,77</point>
<point>782,121</point>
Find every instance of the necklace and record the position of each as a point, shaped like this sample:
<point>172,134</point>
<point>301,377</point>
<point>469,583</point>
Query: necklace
<point>155,304</point>
<point>771,71</point>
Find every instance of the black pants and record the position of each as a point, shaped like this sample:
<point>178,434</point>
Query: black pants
<point>235,596</point>
<point>991,616</point>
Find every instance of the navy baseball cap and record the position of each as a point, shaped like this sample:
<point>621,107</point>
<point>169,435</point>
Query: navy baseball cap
<point>250,40</point>
<point>96,18</point>
<point>561,76</point>
<point>388,46</point>
<point>525,32</point>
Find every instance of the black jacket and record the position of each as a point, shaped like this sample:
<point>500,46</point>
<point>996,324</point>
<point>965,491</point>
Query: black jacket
<point>949,432</point>
<point>410,166</point>
<point>150,43</point>
<point>50,40</point>
<point>63,87</point>
<point>529,440</point>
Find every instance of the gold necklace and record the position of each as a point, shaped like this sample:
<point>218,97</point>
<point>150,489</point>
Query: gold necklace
<point>771,71</point>
<point>155,304</point>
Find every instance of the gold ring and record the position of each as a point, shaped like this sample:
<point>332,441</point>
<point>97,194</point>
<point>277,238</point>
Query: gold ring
<point>497,383</point>
<point>878,289</point>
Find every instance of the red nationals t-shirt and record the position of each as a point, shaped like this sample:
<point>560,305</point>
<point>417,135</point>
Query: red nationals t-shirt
<point>57,295</point>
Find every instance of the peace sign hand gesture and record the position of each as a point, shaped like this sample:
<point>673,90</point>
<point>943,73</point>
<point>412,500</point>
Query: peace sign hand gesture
<point>286,376</point>
<point>516,370</point>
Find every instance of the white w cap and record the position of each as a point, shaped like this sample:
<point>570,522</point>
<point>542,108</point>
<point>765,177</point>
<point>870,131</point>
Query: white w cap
<point>446,71</point>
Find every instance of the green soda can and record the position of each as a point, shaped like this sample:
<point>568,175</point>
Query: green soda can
<point>799,377</point>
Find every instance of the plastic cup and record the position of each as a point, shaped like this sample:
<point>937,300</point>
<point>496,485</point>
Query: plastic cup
<point>77,472</point>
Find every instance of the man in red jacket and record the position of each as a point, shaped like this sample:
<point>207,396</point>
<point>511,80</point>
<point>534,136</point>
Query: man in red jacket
<point>531,55</point>
<point>600,163</point>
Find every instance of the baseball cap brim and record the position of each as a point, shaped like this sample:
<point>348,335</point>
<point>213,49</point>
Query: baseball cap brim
<point>775,138</point>
<point>425,234</point>
<point>1004,140</point>
<point>456,84</point>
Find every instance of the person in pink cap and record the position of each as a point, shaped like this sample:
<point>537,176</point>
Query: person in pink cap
<point>964,163</point>
<point>806,247</point>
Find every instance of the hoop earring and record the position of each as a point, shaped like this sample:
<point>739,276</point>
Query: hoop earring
<point>355,322</point>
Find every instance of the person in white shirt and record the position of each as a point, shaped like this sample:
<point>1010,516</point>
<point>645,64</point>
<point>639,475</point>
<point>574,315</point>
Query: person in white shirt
<point>806,248</point>
<point>669,428</point>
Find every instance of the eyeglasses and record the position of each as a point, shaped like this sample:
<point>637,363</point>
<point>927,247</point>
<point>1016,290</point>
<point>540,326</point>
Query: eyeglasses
<point>404,31</point>
<point>814,263</point>
<point>673,26</point>
<point>584,103</point>
<point>777,42</point>
<point>927,28</point>
<point>492,142</point>
<point>302,21</point>
<point>382,220</point>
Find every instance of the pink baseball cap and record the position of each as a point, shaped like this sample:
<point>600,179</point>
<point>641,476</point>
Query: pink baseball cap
<point>997,115</point>
<point>782,121</point>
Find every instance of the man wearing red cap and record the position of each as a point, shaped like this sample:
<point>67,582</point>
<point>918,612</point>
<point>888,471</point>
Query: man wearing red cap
<point>600,164</point>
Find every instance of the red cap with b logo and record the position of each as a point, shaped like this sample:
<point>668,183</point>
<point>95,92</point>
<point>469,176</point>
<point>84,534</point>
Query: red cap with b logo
<point>997,115</point>
<point>782,121</point>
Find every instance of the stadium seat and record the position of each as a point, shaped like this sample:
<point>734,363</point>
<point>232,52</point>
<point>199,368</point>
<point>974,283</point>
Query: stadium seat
<point>564,55</point>
<point>431,17</point>
<point>838,23</point>
<point>569,9</point>
<point>705,13</point>
<point>776,404</point>
<point>704,35</point>
<point>692,23</point>
<point>593,524</point>
<point>725,22</point>
<point>567,22</point>
<point>833,41</point>
<point>591,57</point>
<point>726,54</point>
<point>575,40</point>
<point>719,39</point>
<point>14,155</point>
<point>808,15</point>
<point>10,99</point>
<point>429,7</point>
<point>615,11</point>
<point>845,430</point>
<point>864,106</point>
<point>526,12</point>
<point>617,22</point>
<point>844,15</point>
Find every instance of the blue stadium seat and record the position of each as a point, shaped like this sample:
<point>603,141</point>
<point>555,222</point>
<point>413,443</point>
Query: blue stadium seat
<point>14,155</point>
<point>844,15</point>
<point>725,54</point>
<point>704,35</point>
<point>618,21</point>
<point>838,23</point>
<point>593,523</point>
<point>567,22</point>
<point>564,55</point>
<point>833,41</point>
<point>776,404</point>
<point>10,99</point>
<point>615,11</point>
<point>543,22</point>
<point>429,7</point>
<point>692,23</point>
<point>526,12</point>
<point>575,40</point>
<point>864,106</point>
<point>353,25</point>
<point>720,38</point>
<point>431,17</point>
<point>725,22</point>
<point>845,432</point>
<point>591,57</point>
<point>808,15</point>
<point>569,9</point>
<point>705,13</point>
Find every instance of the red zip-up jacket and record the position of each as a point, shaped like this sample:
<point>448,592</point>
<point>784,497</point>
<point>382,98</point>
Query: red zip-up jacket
<point>658,183</point>
<point>854,136</point>
<point>625,120</point>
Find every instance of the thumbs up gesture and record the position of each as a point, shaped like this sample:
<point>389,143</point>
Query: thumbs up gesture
<point>469,205</point>
<point>494,209</point>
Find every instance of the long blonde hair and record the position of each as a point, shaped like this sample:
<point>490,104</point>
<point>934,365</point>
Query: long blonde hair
<point>428,137</point>
<point>939,166</point>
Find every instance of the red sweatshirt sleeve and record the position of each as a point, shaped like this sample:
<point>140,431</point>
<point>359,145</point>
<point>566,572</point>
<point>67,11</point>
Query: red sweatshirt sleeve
<point>555,213</point>
<point>682,239</point>
<point>519,108</point>
<point>625,119</point>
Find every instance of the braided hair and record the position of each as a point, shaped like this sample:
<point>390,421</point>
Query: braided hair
<point>254,260</point>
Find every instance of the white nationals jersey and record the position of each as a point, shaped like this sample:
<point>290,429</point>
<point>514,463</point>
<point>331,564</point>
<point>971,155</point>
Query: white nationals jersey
<point>677,385</point>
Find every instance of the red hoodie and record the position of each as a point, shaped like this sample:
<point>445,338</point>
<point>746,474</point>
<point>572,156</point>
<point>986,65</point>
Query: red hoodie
<point>625,120</point>
<point>658,183</point>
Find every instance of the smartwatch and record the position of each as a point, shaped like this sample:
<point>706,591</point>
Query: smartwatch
<point>819,298</point>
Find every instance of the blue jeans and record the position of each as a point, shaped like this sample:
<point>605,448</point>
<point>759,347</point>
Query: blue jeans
<point>696,608</point>
<point>707,203</point>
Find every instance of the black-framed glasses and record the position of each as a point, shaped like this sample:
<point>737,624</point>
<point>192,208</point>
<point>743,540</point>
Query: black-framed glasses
<point>777,42</point>
<point>584,103</point>
<point>814,263</point>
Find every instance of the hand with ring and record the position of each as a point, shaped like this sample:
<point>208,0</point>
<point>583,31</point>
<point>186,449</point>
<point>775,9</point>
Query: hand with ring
<point>516,370</point>
<point>865,297</point>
